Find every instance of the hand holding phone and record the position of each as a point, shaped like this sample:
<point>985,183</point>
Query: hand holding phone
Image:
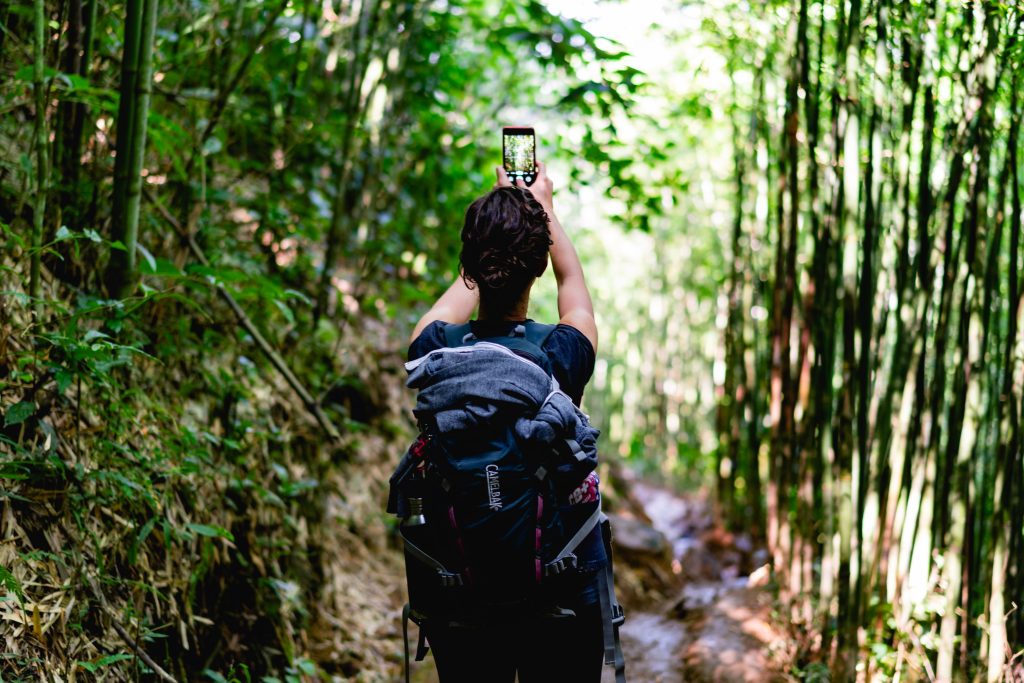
<point>541,189</point>
<point>519,153</point>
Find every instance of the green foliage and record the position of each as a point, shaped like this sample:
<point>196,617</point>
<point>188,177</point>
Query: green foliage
<point>312,168</point>
<point>816,672</point>
<point>96,666</point>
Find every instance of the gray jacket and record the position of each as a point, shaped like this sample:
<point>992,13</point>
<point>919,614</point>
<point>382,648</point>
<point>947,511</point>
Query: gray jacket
<point>468,386</point>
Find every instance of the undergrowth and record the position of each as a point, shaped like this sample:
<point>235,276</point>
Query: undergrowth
<point>167,501</point>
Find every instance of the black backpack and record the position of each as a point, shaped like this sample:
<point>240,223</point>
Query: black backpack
<point>486,524</point>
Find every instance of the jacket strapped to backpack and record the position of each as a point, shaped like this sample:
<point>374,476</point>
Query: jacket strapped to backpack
<point>484,490</point>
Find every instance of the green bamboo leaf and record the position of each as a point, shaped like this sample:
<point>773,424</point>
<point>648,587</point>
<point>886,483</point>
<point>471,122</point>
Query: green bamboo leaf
<point>150,260</point>
<point>19,412</point>
<point>211,530</point>
<point>94,666</point>
<point>285,311</point>
<point>11,583</point>
<point>147,528</point>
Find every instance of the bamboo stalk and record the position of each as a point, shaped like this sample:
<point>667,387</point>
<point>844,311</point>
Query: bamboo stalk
<point>122,262</point>
<point>42,171</point>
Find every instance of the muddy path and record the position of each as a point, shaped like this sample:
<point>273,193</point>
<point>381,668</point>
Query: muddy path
<point>713,618</point>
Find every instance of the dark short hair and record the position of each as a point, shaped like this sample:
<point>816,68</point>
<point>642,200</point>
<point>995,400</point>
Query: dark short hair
<point>505,243</point>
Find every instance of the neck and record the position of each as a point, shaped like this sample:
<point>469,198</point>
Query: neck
<point>516,312</point>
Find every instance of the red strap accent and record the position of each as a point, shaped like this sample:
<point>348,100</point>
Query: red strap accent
<point>458,543</point>
<point>419,446</point>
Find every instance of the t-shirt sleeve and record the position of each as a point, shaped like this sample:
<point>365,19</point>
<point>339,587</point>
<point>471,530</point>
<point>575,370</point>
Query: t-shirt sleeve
<point>572,359</point>
<point>432,337</point>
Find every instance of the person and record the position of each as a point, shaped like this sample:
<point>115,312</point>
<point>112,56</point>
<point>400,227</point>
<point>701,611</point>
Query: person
<point>508,237</point>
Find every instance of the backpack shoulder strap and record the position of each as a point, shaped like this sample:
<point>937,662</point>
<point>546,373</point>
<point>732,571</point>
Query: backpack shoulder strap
<point>535,333</point>
<point>538,333</point>
<point>454,334</point>
<point>528,338</point>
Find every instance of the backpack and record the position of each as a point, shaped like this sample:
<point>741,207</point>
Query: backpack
<point>485,522</point>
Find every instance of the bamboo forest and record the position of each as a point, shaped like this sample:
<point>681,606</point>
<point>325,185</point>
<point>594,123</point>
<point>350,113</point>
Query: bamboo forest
<point>800,223</point>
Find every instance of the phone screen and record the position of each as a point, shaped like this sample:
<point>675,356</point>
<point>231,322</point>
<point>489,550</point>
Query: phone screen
<point>519,145</point>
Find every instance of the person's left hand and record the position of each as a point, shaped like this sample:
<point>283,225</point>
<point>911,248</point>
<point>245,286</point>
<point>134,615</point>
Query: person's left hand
<point>503,180</point>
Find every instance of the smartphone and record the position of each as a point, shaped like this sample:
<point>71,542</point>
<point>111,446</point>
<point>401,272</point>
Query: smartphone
<point>519,149</point>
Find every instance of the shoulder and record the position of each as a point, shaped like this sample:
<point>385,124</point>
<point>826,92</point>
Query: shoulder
<point>572,357</point>
<point>568,338</point>
<point>432,337</point>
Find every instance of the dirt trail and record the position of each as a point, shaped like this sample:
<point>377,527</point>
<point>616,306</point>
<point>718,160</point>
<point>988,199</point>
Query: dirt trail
<point>719,626</point>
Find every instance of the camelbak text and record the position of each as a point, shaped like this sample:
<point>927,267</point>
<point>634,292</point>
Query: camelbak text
<point>493,487</point>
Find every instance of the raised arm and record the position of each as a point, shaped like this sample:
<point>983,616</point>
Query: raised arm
<point>456,305</point>
<point>575,307</point>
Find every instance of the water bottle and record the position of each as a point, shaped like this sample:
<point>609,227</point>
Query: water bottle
<point>415,516</point>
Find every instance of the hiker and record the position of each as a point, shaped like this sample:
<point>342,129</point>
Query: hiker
<point>501,384</point>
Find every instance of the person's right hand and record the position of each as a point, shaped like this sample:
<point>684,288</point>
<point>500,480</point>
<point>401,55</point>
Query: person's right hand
<point>542,187</point>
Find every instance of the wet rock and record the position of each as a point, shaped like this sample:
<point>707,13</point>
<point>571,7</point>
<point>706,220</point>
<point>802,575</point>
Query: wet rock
<point>694,563</point>
<point>643,563</point>
<point>636,536</point>
<point>693,598</point>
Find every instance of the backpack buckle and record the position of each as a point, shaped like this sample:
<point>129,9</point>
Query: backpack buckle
<point>450,580</point>
<point>556,567</point>
<point>427,424</point>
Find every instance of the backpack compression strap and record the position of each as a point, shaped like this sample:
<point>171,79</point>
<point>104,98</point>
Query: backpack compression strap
<point>565,559</point>
<point>421,646</point>
<point>612,615</point>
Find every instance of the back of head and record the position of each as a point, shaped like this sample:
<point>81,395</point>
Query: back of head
<point>505,242</point>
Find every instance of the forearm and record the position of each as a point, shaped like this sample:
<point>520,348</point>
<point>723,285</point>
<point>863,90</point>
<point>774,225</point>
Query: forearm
<point>565,262</point>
